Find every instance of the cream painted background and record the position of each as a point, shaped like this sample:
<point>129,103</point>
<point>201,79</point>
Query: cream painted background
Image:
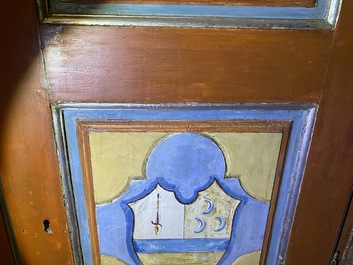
<point>118,157</point>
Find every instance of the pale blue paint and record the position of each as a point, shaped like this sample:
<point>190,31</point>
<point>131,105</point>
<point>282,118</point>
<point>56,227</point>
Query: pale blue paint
<point>222,223</point>
<point>78,192</point>
<point>186,163</point>
<point>184,10</point>
<point>302,117</point>
<point>117,219</point>
<point>181,245</point>
<point>210,207</point>
<point>202,225</point>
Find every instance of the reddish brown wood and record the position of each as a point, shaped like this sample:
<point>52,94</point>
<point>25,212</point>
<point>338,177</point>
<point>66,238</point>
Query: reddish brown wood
<point>329,173</point>
<point>28,164</point>
<point>274,126</point>
<point>114,64</point>
<point>85,155</point>
<point>302,3</point>
<point>185,65</point>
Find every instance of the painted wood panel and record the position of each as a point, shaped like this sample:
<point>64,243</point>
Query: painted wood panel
<point>172,206</point>
<point>328,167</point>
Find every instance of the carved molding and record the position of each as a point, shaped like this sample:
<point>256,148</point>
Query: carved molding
<point>277,14</point>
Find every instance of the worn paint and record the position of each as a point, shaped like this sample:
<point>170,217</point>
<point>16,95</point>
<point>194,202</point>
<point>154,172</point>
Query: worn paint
<point>251,157</point>
<point>112,227</point>
<point>181,258</point>
<point>116,159</point>
<point>109,260</point>
<point>184,205</point>
<point>252,258</point>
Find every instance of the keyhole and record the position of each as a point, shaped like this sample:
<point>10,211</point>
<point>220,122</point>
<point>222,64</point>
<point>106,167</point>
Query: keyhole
<point>47,228</point>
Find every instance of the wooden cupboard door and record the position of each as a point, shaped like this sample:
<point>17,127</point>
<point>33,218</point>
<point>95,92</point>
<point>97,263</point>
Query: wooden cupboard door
<point>213,75</point>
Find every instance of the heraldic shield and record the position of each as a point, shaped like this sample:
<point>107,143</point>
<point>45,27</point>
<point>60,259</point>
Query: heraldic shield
<point>185,211</point>
<point>194,233</point>
<point>187,216</point>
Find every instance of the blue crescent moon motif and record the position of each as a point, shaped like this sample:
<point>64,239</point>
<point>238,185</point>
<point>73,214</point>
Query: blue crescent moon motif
<point>222,222</point>
<point>202,225</point>
<point>210,206</point>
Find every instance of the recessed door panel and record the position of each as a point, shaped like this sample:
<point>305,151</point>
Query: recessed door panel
<point>183,184</point>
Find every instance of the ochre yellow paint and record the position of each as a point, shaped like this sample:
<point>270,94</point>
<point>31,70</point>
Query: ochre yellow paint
<point>108,260</point>
<point>203,258</point>
<point>252,258</point>
<point>253,158</point>
<point>117,157</point>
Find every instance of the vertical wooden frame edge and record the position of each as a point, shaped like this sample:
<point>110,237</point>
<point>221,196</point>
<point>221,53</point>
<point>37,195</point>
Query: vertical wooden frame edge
<point>65,178</point>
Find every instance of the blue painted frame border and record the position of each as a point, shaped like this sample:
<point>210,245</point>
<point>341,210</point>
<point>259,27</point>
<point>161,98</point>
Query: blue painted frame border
<point>65,116</point>
<point>323,15</point>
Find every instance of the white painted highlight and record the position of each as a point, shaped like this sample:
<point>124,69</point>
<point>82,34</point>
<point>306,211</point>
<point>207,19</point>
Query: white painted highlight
<point>171,216</point>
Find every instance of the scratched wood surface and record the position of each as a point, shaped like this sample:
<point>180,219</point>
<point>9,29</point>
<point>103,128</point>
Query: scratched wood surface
<point>292,3</point>
<point>185,65</point>
<point>114,64</point>
<point>329,171</point>
<point>28,163</point>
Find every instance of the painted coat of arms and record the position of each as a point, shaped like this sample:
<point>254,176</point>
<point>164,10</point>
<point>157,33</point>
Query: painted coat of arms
<point>187,214</point>
<point>182,184</point>
<point>196,233</point>
<point>185,211</point>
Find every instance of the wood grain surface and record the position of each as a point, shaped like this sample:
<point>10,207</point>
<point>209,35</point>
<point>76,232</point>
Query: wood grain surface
<point>28,164</point>
<point>329,171</point>
<point>159,65</point>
